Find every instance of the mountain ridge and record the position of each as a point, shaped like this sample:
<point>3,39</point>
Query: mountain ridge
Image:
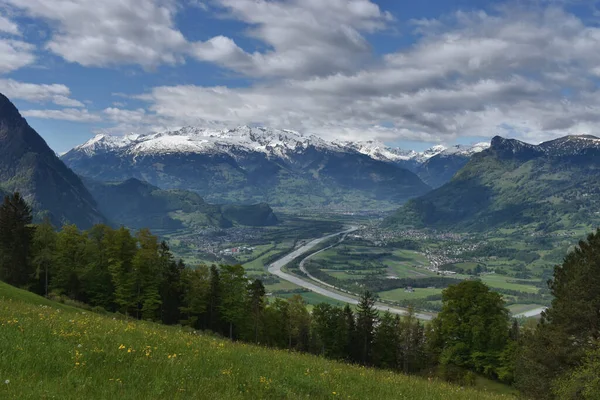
<point>550,186</point>
<point>249,165</point>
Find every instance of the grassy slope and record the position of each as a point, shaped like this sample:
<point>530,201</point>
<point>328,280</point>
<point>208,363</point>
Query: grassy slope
<point>57,352</point>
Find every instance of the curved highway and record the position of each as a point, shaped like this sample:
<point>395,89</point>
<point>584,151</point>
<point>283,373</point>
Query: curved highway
<point>275,269</point>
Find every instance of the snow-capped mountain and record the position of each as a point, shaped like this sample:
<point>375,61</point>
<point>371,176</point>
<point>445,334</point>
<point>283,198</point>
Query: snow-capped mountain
<point>271,142</point>
<point>379,151</point>
<point>247,165</point>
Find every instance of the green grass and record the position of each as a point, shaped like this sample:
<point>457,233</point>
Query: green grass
<point>401,294</point>
<point>56,352</point>
<point>315,298</point>
<point>521,308</point>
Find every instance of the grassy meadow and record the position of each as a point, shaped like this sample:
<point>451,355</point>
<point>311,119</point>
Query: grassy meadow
<point>53,351</point>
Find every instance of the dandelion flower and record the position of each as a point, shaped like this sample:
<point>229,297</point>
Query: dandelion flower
<point>7,381</point>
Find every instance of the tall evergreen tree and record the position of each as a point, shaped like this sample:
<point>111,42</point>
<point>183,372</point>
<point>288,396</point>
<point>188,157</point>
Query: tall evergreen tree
<point>233,304</point>
<point>569,329</point>
<point>16,235</point>
<point>195,285</point>
<point>122,248</point>
<point>385,342</point>
<point>43,249</point>
<point>299,323</point>
<point>366,320</point>
<point>171,291</point>
<point>214,300</point>
<point>256,295</point>
<point>147,264</point>
<point>69,263</point>
<point>351,341</point>
<point>96,278</point>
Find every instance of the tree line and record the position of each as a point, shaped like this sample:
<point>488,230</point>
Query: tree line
<point>472,335</point>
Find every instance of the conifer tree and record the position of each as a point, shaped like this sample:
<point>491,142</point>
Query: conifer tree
<point>195,284</point>
<point>256,294</point>
<point>43,249</point>
<point>214,300</point>
<point>569,329</point>
<point>122,247</point>
<point>69,262</point>
<point>147,265</point>
<point>16,236</point>
<point>366,319</point>
<point>233,303</point>
<point>351,342</point>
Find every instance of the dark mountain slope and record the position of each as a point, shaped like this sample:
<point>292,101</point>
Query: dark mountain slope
<point>29,166</point>
<point>138,204</point>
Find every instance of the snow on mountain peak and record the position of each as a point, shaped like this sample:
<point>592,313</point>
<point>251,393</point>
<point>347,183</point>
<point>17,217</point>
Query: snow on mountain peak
<point>272,142</point>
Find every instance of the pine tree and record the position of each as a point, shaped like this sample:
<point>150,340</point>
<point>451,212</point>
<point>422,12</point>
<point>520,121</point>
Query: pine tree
<point>195,284</point>
<point>233,289</point>
<point>69,262</point>
<point>214,300</point>
<point>96,279</point>
<point>569,329</point>
<point>277,318</point>
<point>299,323</point>
<point>351,341</point>
<point>256,294</point>
<point>365,326</point>
<point>16,237</point>
<point>385,343</point>
<point>43,249</point>
<point>147,264</point>
<point>122,248</point>
<point>170,290</point>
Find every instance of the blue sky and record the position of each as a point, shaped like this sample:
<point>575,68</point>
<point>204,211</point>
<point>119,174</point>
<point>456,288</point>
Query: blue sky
<point>406,73</point>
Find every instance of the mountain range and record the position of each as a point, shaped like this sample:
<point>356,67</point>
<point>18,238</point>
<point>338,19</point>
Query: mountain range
<point>548,187</point>
<point>29,166</point>
<point>280,167</point>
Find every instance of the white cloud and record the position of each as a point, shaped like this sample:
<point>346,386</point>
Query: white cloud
<point>67,114</point>
<point>521,71</point>
<point>125,116</point>
<point>524,72</point>
<point>8,26</point>
<point>305,37</point>
<point>38,93</point>
<point>110,32</point>
<point>15,54</point>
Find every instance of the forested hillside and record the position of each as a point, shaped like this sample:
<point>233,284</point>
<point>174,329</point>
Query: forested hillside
<point>138,204</point>
<point>548,187</point>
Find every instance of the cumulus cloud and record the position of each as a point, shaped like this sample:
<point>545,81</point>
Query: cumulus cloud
<point>521,71</point>
<point>304,37</point>
<point>38,93</point>
<point>526,71</point>
<point>66,114</point>
<point>15,54</point>
<point>110,32</point>
<point>8,26</point>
